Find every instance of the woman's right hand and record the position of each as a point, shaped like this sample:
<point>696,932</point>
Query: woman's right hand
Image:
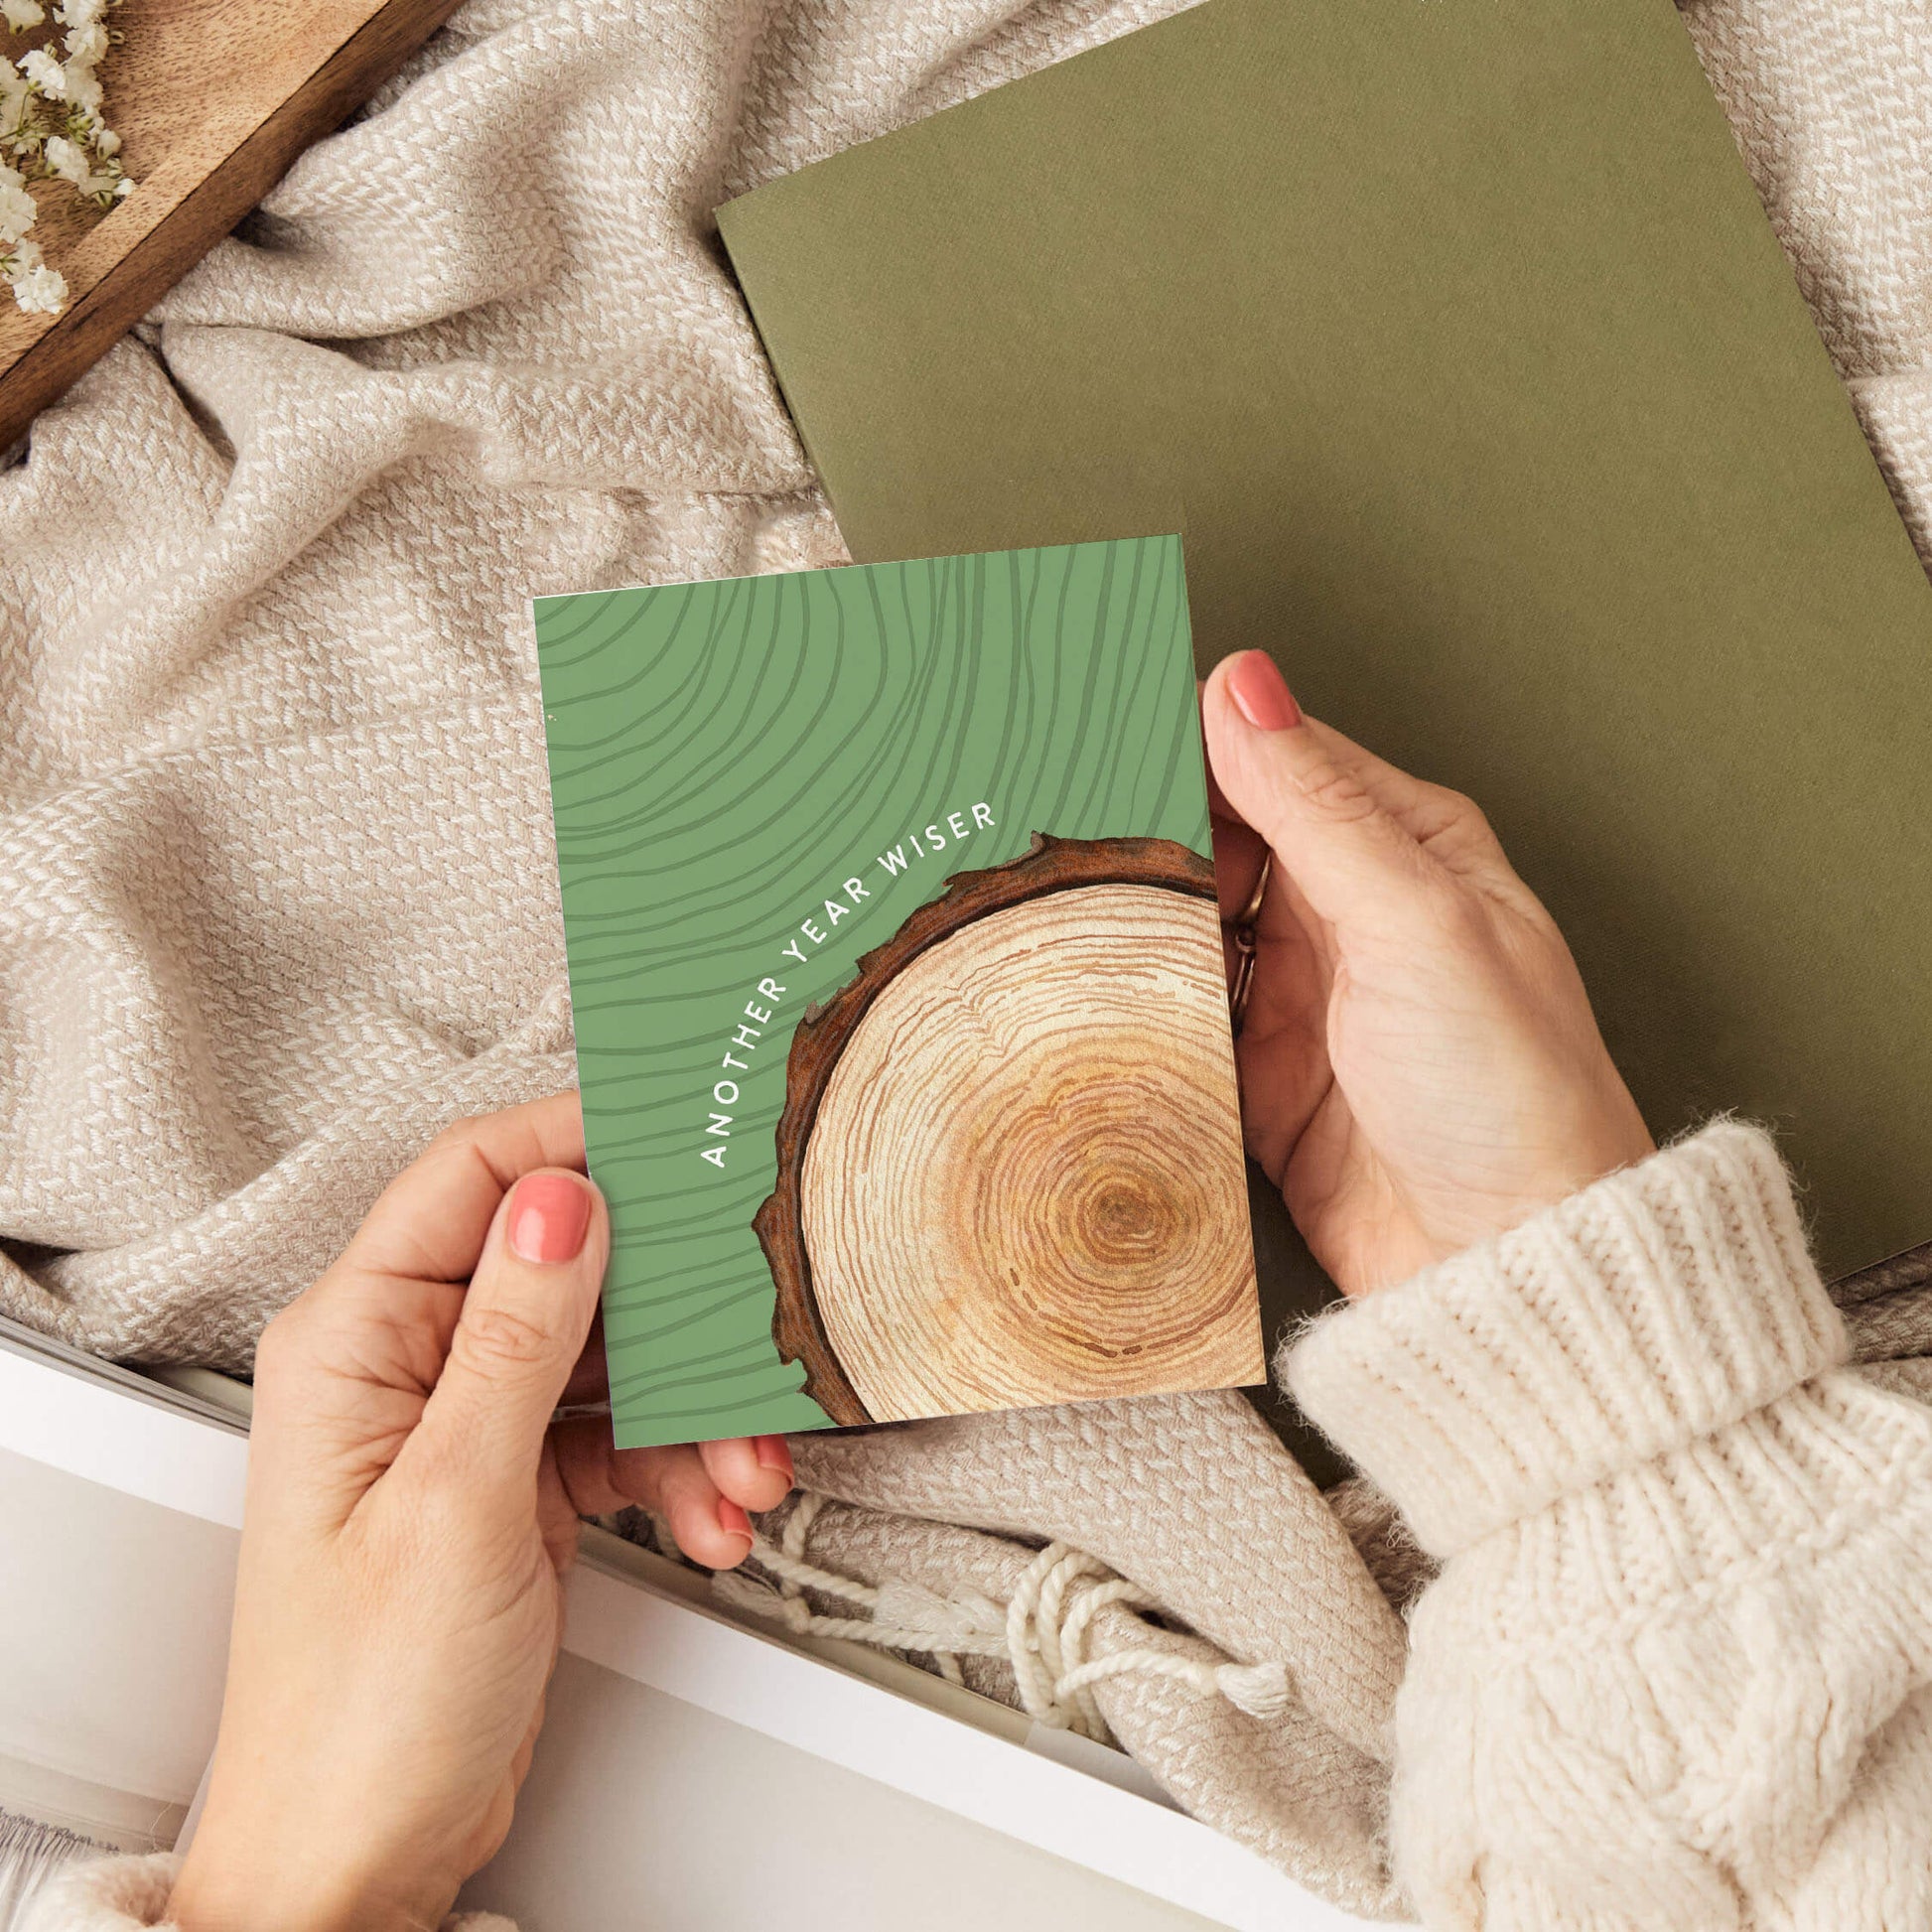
<point>1420,1066</point>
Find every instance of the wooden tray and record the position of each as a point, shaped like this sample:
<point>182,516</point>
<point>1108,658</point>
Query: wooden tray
<point>213,101</point>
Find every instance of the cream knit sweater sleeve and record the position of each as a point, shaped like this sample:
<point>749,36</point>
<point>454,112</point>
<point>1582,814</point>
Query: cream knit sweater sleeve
<point>130,1894</point>
<point>1677,1669</point>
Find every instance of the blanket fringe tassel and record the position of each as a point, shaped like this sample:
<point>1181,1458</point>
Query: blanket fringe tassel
<point>1043,1632</point>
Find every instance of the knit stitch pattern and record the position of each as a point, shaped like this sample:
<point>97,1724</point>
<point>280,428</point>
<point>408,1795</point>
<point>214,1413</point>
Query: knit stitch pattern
<point>1677,1669</point>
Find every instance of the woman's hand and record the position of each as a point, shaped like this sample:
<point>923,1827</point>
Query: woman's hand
<point>1420,1067</point>
<point>411,1510</point>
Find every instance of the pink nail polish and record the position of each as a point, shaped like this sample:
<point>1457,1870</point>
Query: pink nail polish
<point>774,1455</point>
<point>733,1520</point>
<point>1261,694</point>
<point>550,1214</point>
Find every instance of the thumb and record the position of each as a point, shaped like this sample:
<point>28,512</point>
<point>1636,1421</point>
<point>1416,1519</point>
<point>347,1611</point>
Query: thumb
<point>1294,782</point>
<point>524,1322</point>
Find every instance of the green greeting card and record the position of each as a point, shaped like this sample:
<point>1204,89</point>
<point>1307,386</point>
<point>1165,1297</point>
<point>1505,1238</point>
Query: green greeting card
<point>898,977</point>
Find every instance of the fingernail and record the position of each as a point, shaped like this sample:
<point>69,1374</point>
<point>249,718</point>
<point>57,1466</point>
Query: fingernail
<point>1260,693</point>
<point>550,1213</point>
<point>774,1455</point>
<point>733,1520</point>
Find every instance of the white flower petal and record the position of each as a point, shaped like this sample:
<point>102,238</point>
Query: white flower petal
<point>68,159</point>
<point>44,72</point>
<point>40,291</point>
<point>17,210</point>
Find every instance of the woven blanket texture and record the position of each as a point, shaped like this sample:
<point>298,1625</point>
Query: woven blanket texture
<point>277,885</point>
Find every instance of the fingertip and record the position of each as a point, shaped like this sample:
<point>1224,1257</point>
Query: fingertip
<point>1258,691</point>
<point>755,1472</point>
<point>1222,727</point>
<point>1214,687</point>
<point>709,1527</point>
<point>547,1218</point>
<point>716,1533</point>
<point>734,1530</point>
<point>774,1455</point>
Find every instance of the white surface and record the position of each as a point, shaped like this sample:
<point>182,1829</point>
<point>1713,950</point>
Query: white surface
<point>1031,1797</point>
<point>115,1626</point>
<point>142,1617</point>
<point>89,1429</point>
<point>121,1820</point>
<point>646,1814</point>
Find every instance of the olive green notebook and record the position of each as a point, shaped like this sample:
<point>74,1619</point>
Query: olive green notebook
<point>901,1018</point>
<point>1453,335</point>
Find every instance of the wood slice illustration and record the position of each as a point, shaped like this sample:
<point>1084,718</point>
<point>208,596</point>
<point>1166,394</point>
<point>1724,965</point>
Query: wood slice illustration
<point>1010,1159</point>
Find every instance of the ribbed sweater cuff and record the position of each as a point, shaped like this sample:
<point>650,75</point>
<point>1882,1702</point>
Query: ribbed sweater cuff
<point>1650,1309</point>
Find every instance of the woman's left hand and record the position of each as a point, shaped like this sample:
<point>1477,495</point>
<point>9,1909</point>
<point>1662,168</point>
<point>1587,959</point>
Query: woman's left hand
<point>412,1507</point>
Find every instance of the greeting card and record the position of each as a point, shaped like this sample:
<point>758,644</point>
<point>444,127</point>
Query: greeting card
<point>902,1019</point>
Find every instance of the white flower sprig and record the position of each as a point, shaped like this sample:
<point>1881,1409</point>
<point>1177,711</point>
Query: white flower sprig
<point>51,129</point>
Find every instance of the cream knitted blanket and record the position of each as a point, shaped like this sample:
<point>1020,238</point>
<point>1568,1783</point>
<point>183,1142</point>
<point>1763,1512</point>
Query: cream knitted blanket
<point>276,877</point>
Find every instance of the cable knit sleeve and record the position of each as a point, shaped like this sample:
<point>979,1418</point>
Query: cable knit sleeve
<point>131,1895</point>
<point>1677,1669</point>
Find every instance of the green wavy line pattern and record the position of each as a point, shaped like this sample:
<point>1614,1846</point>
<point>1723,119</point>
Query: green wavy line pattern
<point>722,757</point>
